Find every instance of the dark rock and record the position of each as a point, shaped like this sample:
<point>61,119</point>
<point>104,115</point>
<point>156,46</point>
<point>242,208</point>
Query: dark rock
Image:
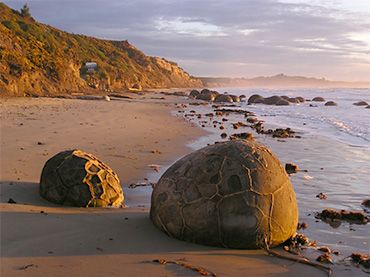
<point>207,95</point>
<point>194,93</point>
<point>361,103</point>
<point>366,203</point>
<point>291,168</point>
<point>253,98</point>
<point>223,98</point>
<point>302,225</point>
<point>272,100</point>
<point>242,96</point>
<point>282,102</point>
<point>235,98</point>
<point>330,103</point>
<point>357,217</point>
<point>300,99</point>
<point>321,196</point>
<point>318,99</point>
<point>252,119</point>
<point>11,201</point>
<point>223,135</point>
<point>180,93</point>
<point>362,259</point>
<point>247,136</point>
<point>367,107</point>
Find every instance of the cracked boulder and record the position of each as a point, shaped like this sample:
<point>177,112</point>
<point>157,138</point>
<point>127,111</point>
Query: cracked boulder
<point>77,178</point>
<point>234,194</point>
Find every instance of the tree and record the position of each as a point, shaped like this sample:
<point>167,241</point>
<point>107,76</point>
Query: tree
<point>25,11</point>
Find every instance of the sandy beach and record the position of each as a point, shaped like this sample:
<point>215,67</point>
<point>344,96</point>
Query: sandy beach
<point>42,239</point>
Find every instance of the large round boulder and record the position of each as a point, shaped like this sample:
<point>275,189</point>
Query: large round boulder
<point>232,194</point>
<point>77,178</point>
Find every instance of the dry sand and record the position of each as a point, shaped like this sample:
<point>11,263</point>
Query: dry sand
<point>42,239</point>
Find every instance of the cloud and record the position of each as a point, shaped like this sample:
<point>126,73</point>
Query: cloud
<point>228,38</point>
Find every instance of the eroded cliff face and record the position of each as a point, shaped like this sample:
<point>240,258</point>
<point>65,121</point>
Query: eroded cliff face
<point>37,59</point>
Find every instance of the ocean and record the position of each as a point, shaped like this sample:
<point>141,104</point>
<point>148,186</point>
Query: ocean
<point>333,151</point>
<point>346,122</point>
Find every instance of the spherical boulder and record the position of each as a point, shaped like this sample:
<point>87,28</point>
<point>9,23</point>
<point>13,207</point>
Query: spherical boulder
<point>318,99</point>
<point>361,103</point>
<point>272,100</point>
<point>77,178</point>
<point>194,93</point>
<point>282,102</point>
<point>235,98</point>
<point>330,103</point>
<point>252,99</point>
<point>231,194</point>
<point>223,98</point>
<point>207,95</point>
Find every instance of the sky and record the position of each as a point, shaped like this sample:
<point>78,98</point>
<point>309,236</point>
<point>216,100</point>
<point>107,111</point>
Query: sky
<point>233,38</point>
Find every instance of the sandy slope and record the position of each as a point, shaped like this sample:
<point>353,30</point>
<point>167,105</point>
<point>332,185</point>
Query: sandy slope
<point>41,239</point>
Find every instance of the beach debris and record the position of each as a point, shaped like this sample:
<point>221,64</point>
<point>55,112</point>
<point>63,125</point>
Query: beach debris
<point>134,185</point>
<point>11,201</point>
<point>118,95</point>
<point>155,167</point>
<point>366,203</point>
<point>361,259</point>
<point>307,177</point>
<point>77,178</point>
<point>239,124</point>
<point>27,266</point>
<point>321,196</point>
<point>291,168</point>
<point>156,151</point>
<point>302,225</point>
<point>40,143</point>
<point>356,217</point>
<point>325,258</point>
<point>237,111</point>
<point>106,98</point>
<point>299,259</point>
<point>202,271</point>
<point>243,136</point>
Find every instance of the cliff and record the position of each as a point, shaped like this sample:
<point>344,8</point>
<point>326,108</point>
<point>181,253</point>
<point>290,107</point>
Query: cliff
<point>37,59</point>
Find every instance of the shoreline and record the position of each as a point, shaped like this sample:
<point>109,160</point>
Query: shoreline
<point>78,241</point>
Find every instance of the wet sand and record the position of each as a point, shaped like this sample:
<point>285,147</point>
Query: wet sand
<point>42,239</point>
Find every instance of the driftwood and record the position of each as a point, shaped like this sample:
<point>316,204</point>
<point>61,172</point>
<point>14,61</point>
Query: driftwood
<point>198,269</point>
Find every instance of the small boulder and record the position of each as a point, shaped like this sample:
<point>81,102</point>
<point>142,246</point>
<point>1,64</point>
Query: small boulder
<point>282,102</point>
<point>291,168</point>
<point>224,98</point>
<point>235,98</point>
<point>272,100</point>
<point>331,103</point>
<point>318,99</point>
<point>361,103</point>
<point>194,93</point>
<point>253,98</point>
